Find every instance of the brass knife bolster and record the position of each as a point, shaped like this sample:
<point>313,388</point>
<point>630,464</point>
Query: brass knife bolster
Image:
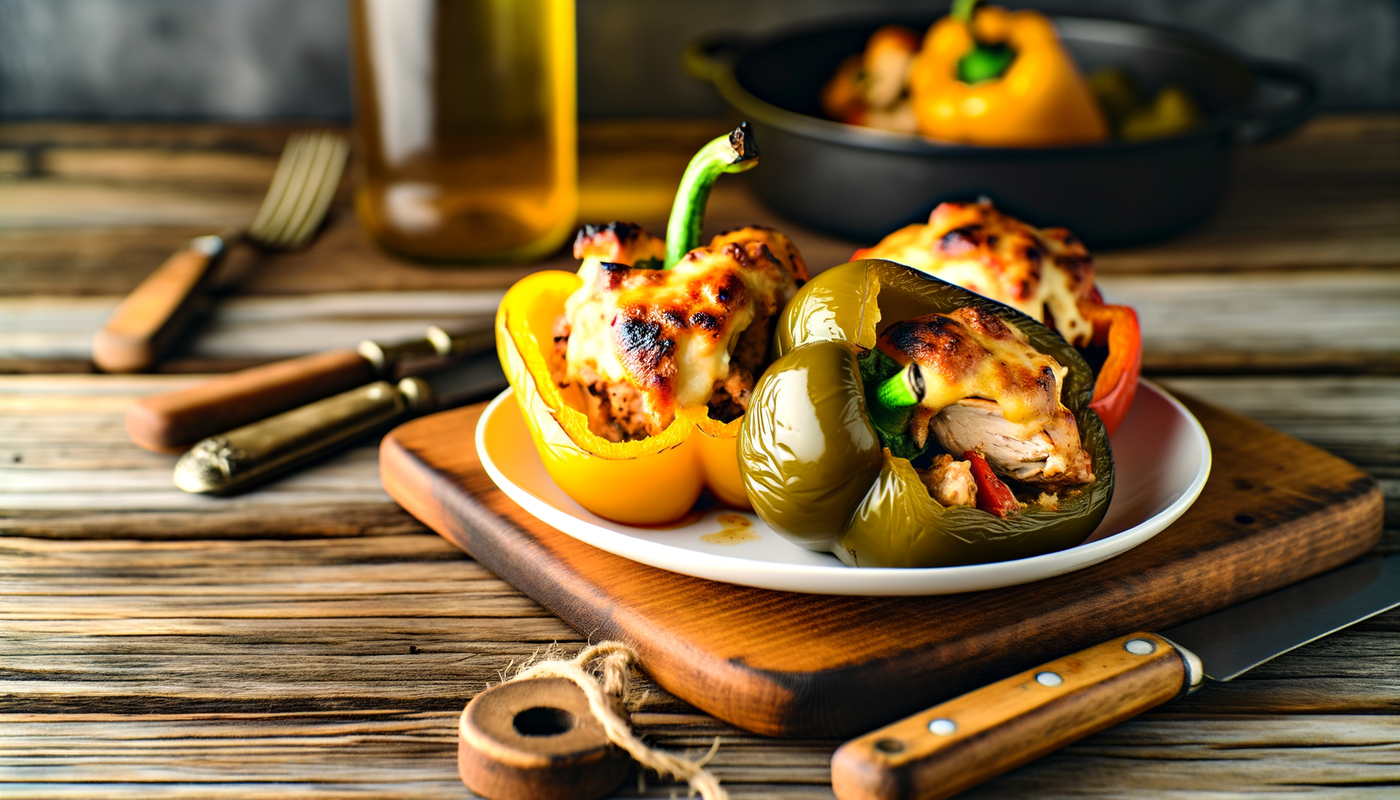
<point>245,456</point>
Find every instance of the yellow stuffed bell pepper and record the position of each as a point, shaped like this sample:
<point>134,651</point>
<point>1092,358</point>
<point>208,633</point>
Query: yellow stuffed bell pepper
<point>659,478</point>
<point>1001,78</point>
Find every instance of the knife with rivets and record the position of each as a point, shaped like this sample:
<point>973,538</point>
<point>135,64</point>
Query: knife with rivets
<point>242,458</point>
<point>958,744</point>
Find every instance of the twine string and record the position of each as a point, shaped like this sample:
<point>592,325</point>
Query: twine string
<point>615,660</point>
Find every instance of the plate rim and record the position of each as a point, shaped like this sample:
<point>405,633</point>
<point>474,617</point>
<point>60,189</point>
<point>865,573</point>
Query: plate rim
<point>934,580</point>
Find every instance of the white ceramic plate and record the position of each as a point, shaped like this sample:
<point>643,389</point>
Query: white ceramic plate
<point>1160,452</point>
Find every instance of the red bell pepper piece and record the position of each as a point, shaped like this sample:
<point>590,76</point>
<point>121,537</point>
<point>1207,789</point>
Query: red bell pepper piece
<point>1116,385</point>
<point>993,496</point>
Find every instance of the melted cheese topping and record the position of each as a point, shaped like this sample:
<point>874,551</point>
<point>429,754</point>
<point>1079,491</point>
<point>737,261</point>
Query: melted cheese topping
<point>671,333</point>
<point>970,353</point>
<point>997,256</point>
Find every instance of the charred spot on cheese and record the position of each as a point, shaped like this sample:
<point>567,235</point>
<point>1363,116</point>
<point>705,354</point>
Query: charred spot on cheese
<point>600,239</point>
<point>960,241</point>
<point>645,343</point>
<point>987,389</point>
<point>618,242</point>
<point>643,346</point>
<point>703,321</point>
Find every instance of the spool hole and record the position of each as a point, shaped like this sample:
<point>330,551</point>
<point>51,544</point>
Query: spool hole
<point>543,721</point>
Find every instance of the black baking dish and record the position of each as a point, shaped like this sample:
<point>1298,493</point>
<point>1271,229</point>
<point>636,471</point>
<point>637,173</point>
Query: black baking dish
<point>863,183</point>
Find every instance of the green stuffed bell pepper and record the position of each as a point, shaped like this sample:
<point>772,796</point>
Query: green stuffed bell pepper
<point>871,434</point>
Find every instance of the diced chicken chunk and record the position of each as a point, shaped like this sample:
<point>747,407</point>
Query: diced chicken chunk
<point>1045,452</point>
<point>950,482</point>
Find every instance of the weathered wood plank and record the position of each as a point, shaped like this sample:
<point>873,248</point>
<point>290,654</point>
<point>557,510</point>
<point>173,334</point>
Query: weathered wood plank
<point>1357,418</point>
<point>238,331</point>
<point>68,469</point>
<point>180,704</point>
<point>1322,321</point>
<point>1191,323</point>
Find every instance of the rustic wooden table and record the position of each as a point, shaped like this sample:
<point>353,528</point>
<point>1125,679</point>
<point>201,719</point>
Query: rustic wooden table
<point>312,638</point>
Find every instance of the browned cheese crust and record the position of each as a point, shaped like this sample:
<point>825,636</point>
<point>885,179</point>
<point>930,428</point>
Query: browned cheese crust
<point>987,389</point>
<point>644,342</point>
<point>1042,272</point>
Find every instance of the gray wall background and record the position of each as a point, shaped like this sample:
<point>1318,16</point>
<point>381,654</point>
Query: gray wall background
<point>271,59</point>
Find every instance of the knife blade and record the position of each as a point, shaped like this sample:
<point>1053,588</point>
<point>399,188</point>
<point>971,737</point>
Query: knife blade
<point>955,745</point>
<point>242,458</point>
<point>172,421</point>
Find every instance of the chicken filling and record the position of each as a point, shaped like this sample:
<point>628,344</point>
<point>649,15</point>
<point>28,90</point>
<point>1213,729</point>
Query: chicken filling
<point>988,391</point>
<point>640,343</point>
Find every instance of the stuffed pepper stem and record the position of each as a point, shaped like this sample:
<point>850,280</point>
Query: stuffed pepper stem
<point>736,151</point>
<point>894,400</point>
<point>984,62</point>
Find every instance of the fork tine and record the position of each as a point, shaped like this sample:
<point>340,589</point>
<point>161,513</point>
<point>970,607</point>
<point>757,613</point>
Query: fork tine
<point>308,169</point>
<point>302,163</point>
<point>321,183</point>
<point>339,150</point>
<point>286,165</point>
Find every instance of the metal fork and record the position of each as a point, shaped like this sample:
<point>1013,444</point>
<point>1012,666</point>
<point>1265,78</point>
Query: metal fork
<point>151,318</point>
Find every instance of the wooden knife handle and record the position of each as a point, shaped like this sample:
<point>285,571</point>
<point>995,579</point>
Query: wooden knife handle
<point>171,422</point>
<point>969,739</point>
<point>150,318</point>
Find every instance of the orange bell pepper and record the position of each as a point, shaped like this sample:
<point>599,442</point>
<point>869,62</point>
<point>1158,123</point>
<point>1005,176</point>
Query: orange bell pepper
<point>657,479</point>
<point>1001,78</point>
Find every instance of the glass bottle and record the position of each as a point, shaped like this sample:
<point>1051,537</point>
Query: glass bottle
<point>466,126</point>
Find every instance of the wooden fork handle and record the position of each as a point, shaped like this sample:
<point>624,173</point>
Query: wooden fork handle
<point>150,318</point>
<point>171,422</point>
<point>969,739</point>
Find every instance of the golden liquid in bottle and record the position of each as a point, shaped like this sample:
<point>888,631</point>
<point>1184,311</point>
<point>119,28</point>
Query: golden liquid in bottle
<point>466,126</point>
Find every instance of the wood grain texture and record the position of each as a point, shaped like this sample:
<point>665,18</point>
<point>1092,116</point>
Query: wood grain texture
<point>1192,324</point>
<point>139,669</point>
<point>242,331</point>
<point>69,469</point>
<point>1274,511</point>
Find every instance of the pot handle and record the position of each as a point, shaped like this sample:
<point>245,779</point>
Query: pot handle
<point>706,57</point>
<point>1262,125</point>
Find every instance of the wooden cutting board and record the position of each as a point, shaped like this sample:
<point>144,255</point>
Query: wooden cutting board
<point>1274,512</point>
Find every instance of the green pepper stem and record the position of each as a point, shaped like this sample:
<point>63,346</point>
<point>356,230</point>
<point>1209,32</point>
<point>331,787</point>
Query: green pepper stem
<point>984,62</point>
<point>736,151</point>
<point>893,401</point>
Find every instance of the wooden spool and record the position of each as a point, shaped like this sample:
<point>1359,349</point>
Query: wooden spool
<point>537,740</point>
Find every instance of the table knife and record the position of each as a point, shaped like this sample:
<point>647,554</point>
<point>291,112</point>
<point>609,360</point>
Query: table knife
<point>245,457</point>
<point>172,421</point>
<point>969,739</point>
